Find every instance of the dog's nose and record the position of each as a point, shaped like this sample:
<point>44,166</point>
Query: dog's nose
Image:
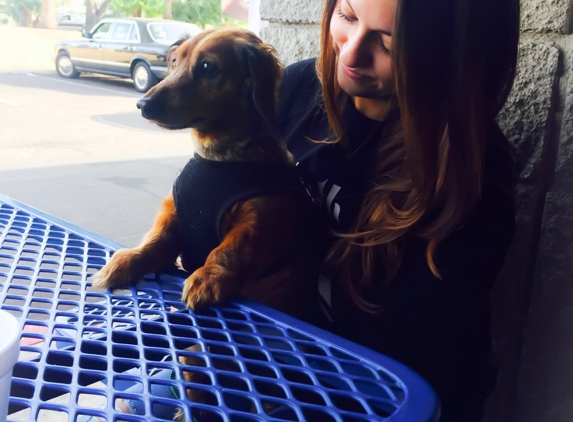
<point>146,109</point>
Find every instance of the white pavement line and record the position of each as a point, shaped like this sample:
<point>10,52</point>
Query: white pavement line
<point>12,103</point>
<point>86,86</point>
<point>31,74</point>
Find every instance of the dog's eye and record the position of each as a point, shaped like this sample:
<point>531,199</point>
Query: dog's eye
<point>208,70</point>
<point>174,62</point>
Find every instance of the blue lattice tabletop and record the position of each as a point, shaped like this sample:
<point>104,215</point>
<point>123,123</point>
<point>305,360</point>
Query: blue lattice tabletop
<point>82,348</point>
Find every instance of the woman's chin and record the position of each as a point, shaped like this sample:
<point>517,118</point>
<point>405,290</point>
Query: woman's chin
<point>363,90</point>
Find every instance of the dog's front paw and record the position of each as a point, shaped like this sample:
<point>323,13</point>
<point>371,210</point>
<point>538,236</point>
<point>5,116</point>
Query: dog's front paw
<point>208,286</point>
<point>124,268</point>
<point>179,416</point>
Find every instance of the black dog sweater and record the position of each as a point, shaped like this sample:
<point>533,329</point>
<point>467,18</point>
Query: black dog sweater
<point>205,189</point>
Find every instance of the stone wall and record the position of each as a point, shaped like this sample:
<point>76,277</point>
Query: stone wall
<point>533,299</point>
<point>545,376</point>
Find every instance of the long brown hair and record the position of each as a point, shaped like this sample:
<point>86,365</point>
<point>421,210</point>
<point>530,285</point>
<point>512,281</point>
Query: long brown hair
<point>454,64</point>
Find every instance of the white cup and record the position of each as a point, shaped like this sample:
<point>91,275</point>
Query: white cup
<point>9,350</point>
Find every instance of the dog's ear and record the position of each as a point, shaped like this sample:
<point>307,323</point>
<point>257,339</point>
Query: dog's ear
<point>263,78</point>
<point>179,42</point>
<point>173,47</point>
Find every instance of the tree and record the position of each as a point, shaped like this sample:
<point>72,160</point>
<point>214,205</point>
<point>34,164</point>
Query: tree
<point>95,12</point>
<point>168,14</point>
<point>199,12</point>
<point>48,14</point>
<point>24,12</point>
<point>139,8</point>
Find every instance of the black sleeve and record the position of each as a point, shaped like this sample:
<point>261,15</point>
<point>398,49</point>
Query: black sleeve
<point>297,96</point>
<point>298,80</point>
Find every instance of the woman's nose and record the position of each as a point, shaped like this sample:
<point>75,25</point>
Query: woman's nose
<point>356,52</point>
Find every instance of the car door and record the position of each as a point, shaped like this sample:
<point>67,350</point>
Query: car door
<point>88,54</point>
<point>119,48</point>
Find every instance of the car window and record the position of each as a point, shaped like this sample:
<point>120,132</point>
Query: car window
<point>134,35</point>
<point>101,31</point>
<point>121,31</point>
<point>167,33</point>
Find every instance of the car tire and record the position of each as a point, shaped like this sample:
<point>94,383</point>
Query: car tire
<point>65,67</point>
<point>143,77</point>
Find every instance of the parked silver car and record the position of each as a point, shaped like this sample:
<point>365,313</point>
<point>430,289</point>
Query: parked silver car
<point>73,21</point>
<point>133,48</point>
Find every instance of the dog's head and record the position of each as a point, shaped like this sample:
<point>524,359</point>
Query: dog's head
<point>219,80</point>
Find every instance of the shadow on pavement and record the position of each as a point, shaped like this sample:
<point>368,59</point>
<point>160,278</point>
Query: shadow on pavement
<point>117,200</point>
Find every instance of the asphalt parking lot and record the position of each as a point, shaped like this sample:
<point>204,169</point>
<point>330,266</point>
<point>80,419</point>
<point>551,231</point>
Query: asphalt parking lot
<point>79,149</point>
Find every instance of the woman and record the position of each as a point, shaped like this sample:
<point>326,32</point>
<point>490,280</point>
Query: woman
<point>393,130</point>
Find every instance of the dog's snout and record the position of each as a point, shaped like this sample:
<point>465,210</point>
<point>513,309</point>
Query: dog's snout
<point>147,111</point>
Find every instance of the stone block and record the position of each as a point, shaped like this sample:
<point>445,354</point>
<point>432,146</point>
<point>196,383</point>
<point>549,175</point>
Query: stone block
<point>293,42</point>
<point>292,11</point>
<point>546,16</point>
<point>545,384</point>
<point>510,300</point>
<point>527,116</point>
<point>564,166</point>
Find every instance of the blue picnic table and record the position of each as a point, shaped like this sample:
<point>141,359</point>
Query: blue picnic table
<point>82,348</point>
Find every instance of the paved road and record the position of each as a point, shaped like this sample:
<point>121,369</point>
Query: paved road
<point>79,149</point>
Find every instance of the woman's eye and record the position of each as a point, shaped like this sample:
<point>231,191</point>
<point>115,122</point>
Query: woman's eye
<point>208,69</point>
<point>344,15</point>
<point>383,47</point>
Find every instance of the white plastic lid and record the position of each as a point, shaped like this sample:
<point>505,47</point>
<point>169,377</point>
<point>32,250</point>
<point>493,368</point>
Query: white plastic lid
<point>9,342</point>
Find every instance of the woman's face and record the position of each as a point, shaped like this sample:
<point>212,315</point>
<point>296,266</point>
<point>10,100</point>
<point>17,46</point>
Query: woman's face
<point>362,35</point>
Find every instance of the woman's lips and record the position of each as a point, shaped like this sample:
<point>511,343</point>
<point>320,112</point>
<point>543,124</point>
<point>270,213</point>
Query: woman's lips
<point>352,74</point>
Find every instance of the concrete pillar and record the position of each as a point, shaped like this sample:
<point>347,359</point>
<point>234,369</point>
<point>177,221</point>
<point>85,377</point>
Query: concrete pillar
<point>294,28</point>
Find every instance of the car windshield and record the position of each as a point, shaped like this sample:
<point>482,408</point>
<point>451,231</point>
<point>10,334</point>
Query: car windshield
<point>167,33</point>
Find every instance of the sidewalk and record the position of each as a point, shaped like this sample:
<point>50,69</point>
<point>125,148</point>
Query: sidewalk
<point>30,48</point>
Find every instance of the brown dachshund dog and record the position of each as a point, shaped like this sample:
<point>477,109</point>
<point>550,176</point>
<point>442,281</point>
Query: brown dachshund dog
<point>222,84</point>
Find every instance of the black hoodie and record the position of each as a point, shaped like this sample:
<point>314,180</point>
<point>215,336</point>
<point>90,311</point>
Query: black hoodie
<point>439,328</point>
